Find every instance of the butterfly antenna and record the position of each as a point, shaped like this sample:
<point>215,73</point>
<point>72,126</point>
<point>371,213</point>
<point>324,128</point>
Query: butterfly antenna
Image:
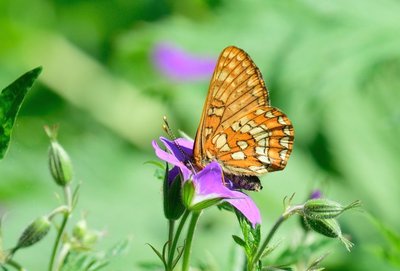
<point>172,136</point>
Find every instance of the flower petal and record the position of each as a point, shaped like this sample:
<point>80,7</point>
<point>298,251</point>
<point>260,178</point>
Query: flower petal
<point>246,206</point>
<point>172,159</point>
<point>185,145</point>
<point>209,184</point>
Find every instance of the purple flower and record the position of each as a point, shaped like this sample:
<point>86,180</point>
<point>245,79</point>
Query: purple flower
<point>208,182</point>
<point>180,65</point>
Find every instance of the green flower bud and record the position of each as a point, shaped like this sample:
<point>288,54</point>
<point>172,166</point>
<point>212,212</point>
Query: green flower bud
<point>195,202</point>
<point>188,191</point>
<point>60,164</point>
<point>324,208</point>
<point>329,228</point>
<point>35,232</point>
<point>80,229</point>
<point>173,205</point>
<point>84,238</point>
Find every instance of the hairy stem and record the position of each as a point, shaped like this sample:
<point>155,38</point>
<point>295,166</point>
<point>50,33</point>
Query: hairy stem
<point>288,212</point>
<point>16,265</point>
<point>66,215</point>
<point>189,239</point>
<point>171,227</point>
<point>176,239</point>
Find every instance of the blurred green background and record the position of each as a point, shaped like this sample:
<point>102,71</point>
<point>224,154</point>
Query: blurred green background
<point>332,66</point>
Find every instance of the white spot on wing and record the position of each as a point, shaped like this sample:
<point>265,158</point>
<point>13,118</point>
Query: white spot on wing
<point>281,120</point>
<point>242,144</point>
<point>284,141</point>
<point>219,111</point>
<point>225,148</point>
<point>264,159</point>
<point>245,129</point>
<point>282,154</point>
<point>208,131</point>
<point>257,169</point>
<point>262,142</point>
<point>260,150</point>
<point>238,155</point>
<point>221,141</point>
<point>256,130</point>
<point>259,112</point>
<point>261,137</point>
<point>286,130</point>
<point>235,126</point>
<point>269,115</point>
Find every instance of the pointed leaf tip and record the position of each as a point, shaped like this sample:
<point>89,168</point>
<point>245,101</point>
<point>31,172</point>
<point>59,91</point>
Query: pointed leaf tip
<point>11,99</point>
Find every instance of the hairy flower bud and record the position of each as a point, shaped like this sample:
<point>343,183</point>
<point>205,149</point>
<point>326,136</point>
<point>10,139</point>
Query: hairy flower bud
<point>323,208</point>
<point>35,232</point>
<point>60,164</point>
<point>329,228</point>
<point>173,205</point>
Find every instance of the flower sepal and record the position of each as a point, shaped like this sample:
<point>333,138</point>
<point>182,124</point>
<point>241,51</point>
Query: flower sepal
<point>188,192</point>
<point>205,204</point>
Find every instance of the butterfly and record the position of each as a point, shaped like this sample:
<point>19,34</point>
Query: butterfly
<point>239,128</point>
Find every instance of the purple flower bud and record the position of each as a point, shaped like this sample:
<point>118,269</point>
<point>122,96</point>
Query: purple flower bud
<point>316,194</point>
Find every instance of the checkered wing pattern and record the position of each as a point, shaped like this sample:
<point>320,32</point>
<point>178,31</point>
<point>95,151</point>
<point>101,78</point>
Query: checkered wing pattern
<point>238,127</point>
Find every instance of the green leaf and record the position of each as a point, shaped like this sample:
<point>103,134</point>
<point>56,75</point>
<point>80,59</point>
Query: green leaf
<point>150,266</point>
<point>160,256</point>
<point>10,102</point>
<point>239,241</point>
<point>251,236</point>
<point>94,261</point>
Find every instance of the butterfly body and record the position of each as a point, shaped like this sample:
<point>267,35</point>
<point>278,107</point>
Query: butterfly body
<point>238,128</point>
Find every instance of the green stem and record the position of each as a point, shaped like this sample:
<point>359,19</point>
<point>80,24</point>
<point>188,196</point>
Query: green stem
<point>66,215</point>
<point>64,250</point>
<point>189,239</point>
<point>176,239</point>
<point>171,227</point>
<point>16,265</point>
<point>283,217</point>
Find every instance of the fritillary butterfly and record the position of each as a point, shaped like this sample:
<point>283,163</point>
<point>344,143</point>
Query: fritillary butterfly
<point>238,127</point>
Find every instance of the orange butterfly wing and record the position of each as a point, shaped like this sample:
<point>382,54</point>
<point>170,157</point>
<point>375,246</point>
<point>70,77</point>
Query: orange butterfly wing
<point>238,128</point>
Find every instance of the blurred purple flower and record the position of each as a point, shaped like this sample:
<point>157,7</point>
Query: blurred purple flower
<point>316,194</point>
<point>208,182</point>
<point>180,65</point>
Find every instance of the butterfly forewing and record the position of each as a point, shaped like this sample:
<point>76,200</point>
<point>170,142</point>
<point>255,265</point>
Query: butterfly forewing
<point>238,128</point>
<point>236,87</point>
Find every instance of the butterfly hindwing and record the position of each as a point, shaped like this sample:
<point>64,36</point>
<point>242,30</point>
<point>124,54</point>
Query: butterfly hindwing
<point>258,142</point>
